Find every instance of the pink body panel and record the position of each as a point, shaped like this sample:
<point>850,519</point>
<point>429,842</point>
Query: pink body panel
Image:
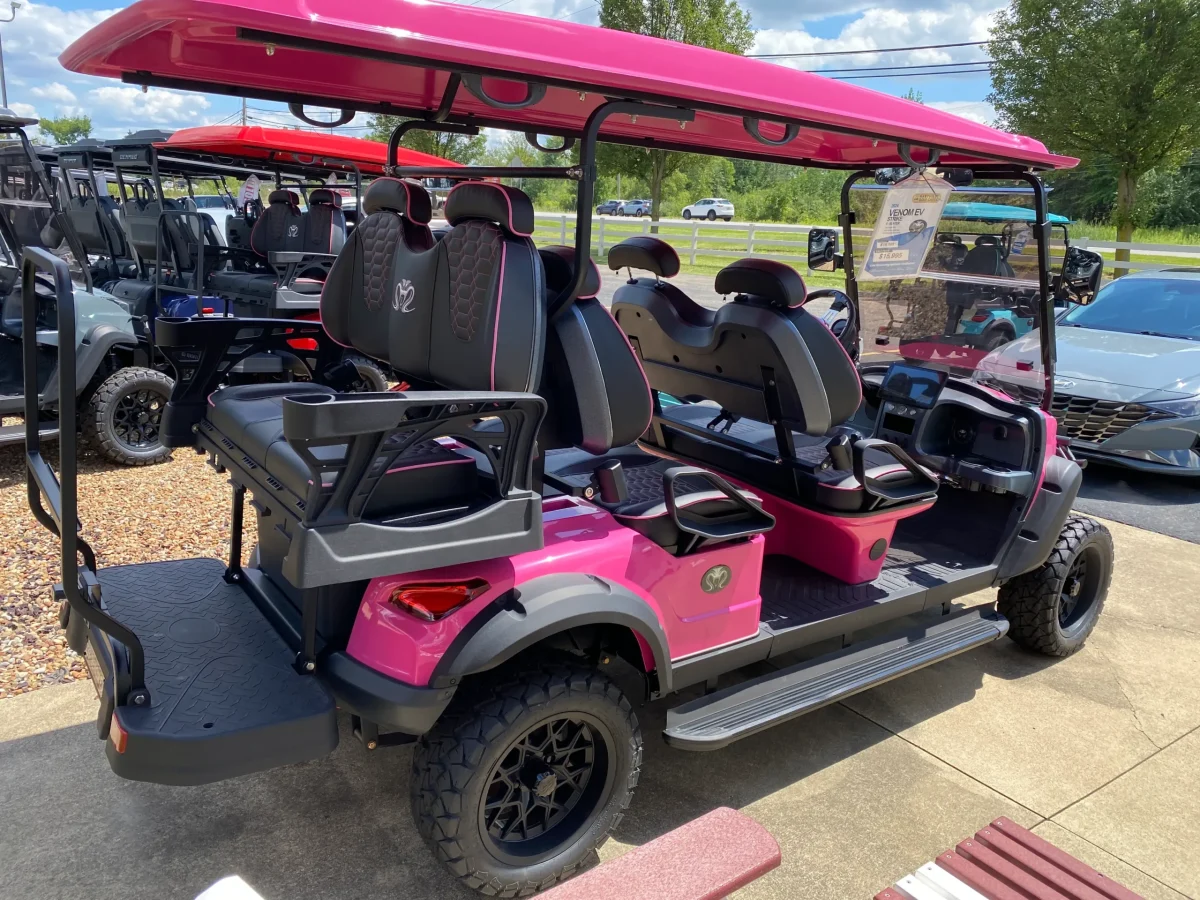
<point>195,42</point>
<point>837,545</point>
<point>583,538</point>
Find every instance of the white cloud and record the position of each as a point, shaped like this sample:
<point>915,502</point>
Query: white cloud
<point>39,33</point>
<point>883,27</point>
<point>54,91</point>
<point>151,108</point>
<point>975,110</point>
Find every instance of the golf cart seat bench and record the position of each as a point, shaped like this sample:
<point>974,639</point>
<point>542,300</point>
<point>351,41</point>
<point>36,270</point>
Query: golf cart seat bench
<point>251,417</point>
<point>760,358</point>
<point>258,286</point>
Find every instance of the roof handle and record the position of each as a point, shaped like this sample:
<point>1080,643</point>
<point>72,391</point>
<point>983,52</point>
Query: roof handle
<point>344,117</point>
<point>905,151</point>
<point>532,138</point>
<point>789,132</point>
<point>533,93</point>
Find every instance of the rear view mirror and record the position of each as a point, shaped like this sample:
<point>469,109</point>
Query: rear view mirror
<point>958,177</point>
<point>1081,273</point>
<point>891,175</point>
<point>822,250</point>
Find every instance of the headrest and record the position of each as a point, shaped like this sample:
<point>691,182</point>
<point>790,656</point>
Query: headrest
<point>647,254</point>
<point>987,240</point>
<point>289,197</point>
<point>559,263</point>
<point>510,208</point>
<point>324,197</point>
<point>407,198</point>
<point>765,279</point>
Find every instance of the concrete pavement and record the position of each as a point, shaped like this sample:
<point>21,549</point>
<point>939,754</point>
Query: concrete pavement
<point>1097,753</point>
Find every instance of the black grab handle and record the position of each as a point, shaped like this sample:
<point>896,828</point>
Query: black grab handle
<point>924,486</point>
<point>81,588</point>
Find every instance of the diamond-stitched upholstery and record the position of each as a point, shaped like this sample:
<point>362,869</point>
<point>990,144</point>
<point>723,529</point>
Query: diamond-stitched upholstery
<point>472,249</point>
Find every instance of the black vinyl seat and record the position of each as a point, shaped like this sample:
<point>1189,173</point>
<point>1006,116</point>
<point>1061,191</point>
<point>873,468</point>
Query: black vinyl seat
<point>447,334</point>
<point>599,405</point>
<point>781,382</point>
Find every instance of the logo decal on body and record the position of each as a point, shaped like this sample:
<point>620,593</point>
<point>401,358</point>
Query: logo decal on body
<point>402,300</point>
<point>293,230</point>
<point>716,579</point>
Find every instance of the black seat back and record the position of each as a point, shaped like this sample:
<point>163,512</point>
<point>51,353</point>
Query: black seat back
<point>987,258</point>
<point>95,221</point>
<point>280,229</point>
<point>324,223</point>
<point>761,356</point>
<point>467,313</point>
<point>596,392</point>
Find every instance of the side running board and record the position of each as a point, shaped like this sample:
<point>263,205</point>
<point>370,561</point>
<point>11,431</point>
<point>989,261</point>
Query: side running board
<point>717,720</point>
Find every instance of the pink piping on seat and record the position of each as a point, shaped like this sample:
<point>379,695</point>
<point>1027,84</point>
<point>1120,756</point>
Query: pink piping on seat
<point>599,282</point>
<point>444,462</point>
<point>499,298</point>
<point>507,201</point>
<point>321,313</point>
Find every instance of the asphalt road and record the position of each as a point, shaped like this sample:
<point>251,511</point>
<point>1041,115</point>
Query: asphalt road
<point>1168,506</point>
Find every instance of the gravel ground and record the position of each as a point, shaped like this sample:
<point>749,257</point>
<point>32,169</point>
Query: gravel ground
<point>176,510</point>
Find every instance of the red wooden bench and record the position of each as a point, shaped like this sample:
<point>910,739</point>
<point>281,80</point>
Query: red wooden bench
<point>708,858</point>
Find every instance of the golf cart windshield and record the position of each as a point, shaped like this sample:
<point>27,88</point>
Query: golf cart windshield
<point>946,276</point>
<point>30,208</point>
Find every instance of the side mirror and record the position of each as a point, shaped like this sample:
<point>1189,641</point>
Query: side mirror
<point>822,250</point>
<point>1081,273</point>
<point>891,175</point>
<point>958,177</point>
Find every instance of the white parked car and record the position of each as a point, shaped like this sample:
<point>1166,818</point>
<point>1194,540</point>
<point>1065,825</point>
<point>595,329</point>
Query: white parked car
<point>711,208</point>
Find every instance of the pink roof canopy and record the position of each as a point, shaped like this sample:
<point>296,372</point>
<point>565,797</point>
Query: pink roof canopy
<point>398,55</point>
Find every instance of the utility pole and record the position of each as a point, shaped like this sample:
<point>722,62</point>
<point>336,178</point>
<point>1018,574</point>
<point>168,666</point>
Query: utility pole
<point>243,110</point>
<point>3,82</point>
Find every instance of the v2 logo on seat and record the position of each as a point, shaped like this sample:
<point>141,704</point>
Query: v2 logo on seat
<point>402,300</point>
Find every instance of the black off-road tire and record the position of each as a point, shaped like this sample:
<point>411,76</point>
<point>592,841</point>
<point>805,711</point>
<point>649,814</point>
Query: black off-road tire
<point>371,377</point>
<point>102,427</point>
<point>1042,614</point>
<point>456,764</point>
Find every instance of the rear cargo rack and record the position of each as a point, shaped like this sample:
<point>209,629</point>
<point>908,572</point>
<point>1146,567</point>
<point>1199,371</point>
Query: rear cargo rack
<point>54,503</point>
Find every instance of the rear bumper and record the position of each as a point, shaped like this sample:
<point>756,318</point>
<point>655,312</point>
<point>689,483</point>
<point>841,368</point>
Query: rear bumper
<point>374,696</point>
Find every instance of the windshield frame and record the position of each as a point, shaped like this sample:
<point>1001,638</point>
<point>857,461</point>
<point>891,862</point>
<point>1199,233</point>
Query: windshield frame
<point>50,187</point>
<point>1042,231</point>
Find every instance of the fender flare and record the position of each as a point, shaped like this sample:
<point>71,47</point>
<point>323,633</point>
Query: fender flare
<point>96,346</point>
<point>543,607</point>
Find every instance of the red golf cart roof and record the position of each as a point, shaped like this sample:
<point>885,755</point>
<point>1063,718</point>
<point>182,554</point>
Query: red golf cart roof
<point>397,56</point>
<point>283,145</point>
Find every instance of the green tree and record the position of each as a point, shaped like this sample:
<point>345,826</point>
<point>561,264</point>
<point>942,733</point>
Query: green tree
<point>1111,81</point>
<point>67,129</point>
<point>457,147</point>
<point>716,24</point>
<point>914,95</point>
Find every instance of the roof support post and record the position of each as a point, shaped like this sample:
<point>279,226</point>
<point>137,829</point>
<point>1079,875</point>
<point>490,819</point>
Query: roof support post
<point>587,184</point>
<point>1041,232</point>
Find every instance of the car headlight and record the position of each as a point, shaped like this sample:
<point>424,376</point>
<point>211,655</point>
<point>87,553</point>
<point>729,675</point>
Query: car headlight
<point>1187,407</point>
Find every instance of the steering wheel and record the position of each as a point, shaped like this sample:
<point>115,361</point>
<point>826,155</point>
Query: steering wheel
<point>845,330</point>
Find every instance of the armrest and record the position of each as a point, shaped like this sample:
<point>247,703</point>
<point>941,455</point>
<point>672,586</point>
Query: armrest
<point>203,350</point>
<point>370,432</point>
<point>924,485</point>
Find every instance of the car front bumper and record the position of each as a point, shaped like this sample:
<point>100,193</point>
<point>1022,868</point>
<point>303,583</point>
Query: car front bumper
<point>1169,446</point>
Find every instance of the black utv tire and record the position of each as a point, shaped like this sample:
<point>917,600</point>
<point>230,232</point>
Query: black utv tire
<point>122,418</point>
<point>370,375</point>
<point>495,763</point>
<point>1054,608</point>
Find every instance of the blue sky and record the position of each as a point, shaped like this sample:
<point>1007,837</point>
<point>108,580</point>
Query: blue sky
<point>37,85</point>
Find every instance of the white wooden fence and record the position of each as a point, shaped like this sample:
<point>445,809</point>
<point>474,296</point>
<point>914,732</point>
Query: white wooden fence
<point>701,239</point>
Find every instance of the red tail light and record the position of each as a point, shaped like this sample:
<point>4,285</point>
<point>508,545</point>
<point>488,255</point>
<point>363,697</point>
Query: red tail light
<point>436,600</point>
<point>208,310</point>
<point>117,734</point>
<point>302,343</point>
<point>980,317</point>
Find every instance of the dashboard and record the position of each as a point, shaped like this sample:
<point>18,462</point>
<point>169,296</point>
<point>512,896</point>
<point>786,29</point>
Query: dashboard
<point>955,428</point>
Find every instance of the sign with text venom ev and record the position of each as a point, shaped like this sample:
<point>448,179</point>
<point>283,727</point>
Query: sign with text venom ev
<point>906,226</point>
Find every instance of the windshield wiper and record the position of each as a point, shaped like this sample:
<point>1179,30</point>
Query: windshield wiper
<point>1182,337</point>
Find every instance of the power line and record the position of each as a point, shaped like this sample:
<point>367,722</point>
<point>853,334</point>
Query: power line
<point>860,52</point>
<point>982,71</point>
<point>953,65</point>
<point>572,15</point>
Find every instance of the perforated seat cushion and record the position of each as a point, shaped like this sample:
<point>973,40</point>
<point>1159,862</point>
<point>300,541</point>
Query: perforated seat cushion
<point>251,415</point>
<point>249,285</point>
<point>813,482</point>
